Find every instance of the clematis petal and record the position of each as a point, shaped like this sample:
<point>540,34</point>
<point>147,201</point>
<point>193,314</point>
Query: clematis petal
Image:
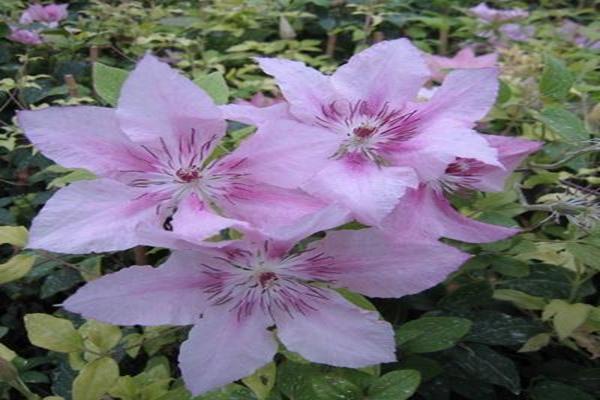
<point>511,152</point>
<point>252,115</point>
<point>390,71</point>
<point>157,101</point>
<point>368,191</point>
<point>337,333</point>
<point>221,349</point>
<point>286,153</point>
<point>142,295</point>
<point>82,137</point>
<point>465,97</point>
<point>423,213</point>
<point>377,265</point>
<point>305,88</point>
<point>91,216</point>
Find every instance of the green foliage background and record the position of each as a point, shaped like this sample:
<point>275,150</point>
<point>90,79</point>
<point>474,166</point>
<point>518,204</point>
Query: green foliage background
<point>520,320</point>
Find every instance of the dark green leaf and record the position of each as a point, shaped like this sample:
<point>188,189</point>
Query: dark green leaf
<point>395,385</point>
<point>556,79</point>
<point>468,296</point>
<point>429,334</point>
<point>550,390</point>
<point>496,328</point>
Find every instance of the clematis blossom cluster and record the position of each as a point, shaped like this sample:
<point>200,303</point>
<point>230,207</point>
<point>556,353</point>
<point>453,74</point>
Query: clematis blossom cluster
<point>45,16</point>
<point>355,145</point>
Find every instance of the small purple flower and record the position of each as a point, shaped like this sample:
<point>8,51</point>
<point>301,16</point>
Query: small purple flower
<point>234,297</point>
<point>517,32</point>
<point>491,15</point>
<point>49,15</point>
<point>25,36</point>
<point>576,33</point>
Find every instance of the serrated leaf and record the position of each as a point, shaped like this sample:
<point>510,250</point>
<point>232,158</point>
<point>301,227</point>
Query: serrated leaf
<point>108,82</point>
<point>556,79</point>
<point>95,379</point>
<point>566,124</point>
<point>15,235</point>
<point>104,337</point>
<point>16,268</point>
<point>395,385</point>
<point>429,334</point>
<point>214,84</point>
<point>262,381</point>
<point>52,333</point>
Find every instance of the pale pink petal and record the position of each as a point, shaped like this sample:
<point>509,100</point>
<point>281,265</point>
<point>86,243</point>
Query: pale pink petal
<point>91,216</point>
<point>142,295</point>
<point>157,101</point>
<point>376,265</point>
<point>423,213</point>
<point>390,71</point>
<point>337,333</point>
<point>439,144</point>
<point>253,115</point>
<point>305,88</point>
<point>195,221</point>
<point>284,237</point>
<point>369,191</point>
<point>511,152</point>
<point>286,153</point>
<point>82,137</point>
<point>465,96</point>
<point>221,349</point>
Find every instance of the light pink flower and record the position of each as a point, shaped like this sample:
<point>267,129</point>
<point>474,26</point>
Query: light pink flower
<point>464,59</point>
<point>354,137</point>
<point>260,100</point>
<point>425,212</point>
<point>235,295</point>
<point>492,15</point>
<point>49,15</point>
<point>25,36</point>
<point>156,183</point>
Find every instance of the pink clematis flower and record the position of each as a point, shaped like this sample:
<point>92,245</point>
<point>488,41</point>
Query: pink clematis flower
<point>260,100</point>
<point>49,15</point>
<point>464,59</point>
<point>425,212</point>
<point>354,137</point>
<point>491,15</point>
<point>235,295</point>
<point>25,36</point>
<point>156,185</point>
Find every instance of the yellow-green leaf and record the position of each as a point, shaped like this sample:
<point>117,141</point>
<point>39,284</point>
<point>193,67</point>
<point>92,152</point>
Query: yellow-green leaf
<point>52,333</point>
<point>6,353</point>
<point>15,235</point>
<point>16,268</point>
<point>535,343</point>
<point>102,336</point>
<point>262,381</point>
<point>95,379</point>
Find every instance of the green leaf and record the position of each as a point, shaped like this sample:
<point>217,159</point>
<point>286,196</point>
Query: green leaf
<point>357,299</point>
<point>15,235</point>
<point>568,125</point>
<point>536,343</point>
<point>6,353</point>
<point>482,363</point>
<point>214,84</point>
<point>103,337</point>
<point>108,81</point>
<point>229,392</point>
<point>543,281</point>
<point>429,334</point>
<point>550,390</point>
<point>587,254</point>
<point>95,379</point>
<point>16,268</point>
<point>395,385</point>
<point>427,367</point>
<point>262,381</point>
<point>556,79</point>
<point>510,266</point>
<point>468,296</point>
<point>520,299</point>
<point>496,328</point>
<point>566,317</point>
<point>52,333</point>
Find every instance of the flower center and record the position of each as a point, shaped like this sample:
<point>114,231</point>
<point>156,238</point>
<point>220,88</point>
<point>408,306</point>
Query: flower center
<point>188,174</point>
<point>267,279</point>
<point>461,175</point>
<point>372,131</point>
